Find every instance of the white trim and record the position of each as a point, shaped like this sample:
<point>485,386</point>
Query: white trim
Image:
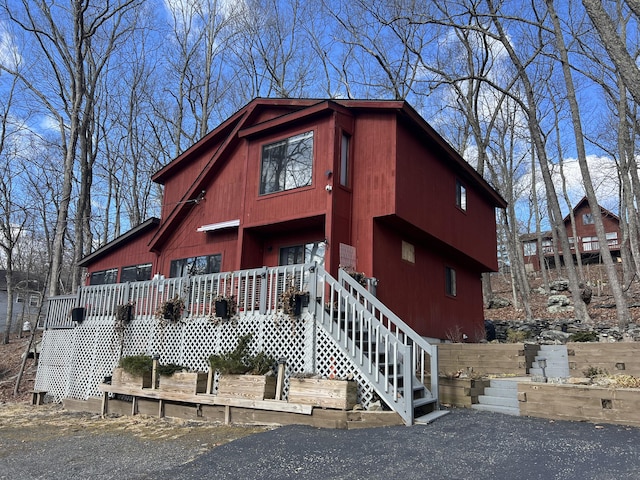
<point>219,226</point>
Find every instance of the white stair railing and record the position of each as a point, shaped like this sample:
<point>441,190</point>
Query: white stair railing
<point>425,355</point>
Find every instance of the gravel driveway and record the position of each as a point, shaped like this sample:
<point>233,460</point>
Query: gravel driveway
<point>465,444</point>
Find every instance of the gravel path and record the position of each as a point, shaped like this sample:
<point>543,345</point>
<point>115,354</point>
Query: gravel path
<point>465,444</point>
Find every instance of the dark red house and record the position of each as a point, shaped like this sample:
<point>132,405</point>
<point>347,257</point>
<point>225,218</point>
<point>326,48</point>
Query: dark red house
<point>363,184</point>
<point>586,239</point>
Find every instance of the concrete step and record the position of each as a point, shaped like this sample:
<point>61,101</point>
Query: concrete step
<point>498,401</point>
<point>430,417</point>
<point>552,348</point>
<point>497,409</point>
<point>504,384</point>
<point>500,392</point>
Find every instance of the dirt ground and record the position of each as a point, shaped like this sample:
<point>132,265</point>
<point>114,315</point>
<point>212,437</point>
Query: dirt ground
<point>20,421</point>
<point>601,309</point>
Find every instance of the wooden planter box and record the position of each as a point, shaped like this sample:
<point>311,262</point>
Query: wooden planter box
<point>184,382</point>
<point>124,379</point>
<point>252,387</point>
<point>461,392</point>
<point>319,392</point>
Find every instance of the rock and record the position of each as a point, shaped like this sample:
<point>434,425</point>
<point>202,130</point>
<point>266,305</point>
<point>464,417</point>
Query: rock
<point>561,300</point>
<point>560,285</point>
<point>553,337</point>
<point>499,302</point>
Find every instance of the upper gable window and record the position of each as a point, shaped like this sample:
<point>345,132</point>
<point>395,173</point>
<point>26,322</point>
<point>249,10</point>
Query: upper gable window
<point>287,164</point>
<point>587,218</point>
<point>461,195</point>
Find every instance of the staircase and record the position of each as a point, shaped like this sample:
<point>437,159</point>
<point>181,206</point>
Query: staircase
<point>501,396</point>
<point>393,358</point>
<point>551,364</point>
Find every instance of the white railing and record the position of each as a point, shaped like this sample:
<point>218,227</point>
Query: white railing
<point>371,336</point>
<point>424,355</point>
<point>58,313</point>
<point>379,345</point>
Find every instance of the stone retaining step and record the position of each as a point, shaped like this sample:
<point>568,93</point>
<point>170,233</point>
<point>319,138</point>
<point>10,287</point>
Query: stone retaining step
<point>498,392</point>
<point>497,409</point>
<point>498,401</point>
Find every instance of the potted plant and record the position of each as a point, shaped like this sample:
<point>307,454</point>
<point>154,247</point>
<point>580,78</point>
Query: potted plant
<point>225,307</point>
<point>133,371</point>
<point>171,309</point>
<point>243,374</point>
<point>292,300</point>
<point>124,313</point>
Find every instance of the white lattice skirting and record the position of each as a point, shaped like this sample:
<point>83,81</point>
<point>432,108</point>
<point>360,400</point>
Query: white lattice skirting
<point>74,361</point>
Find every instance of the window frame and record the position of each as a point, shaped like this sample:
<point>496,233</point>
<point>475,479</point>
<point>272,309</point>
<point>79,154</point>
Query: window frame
<point>186,268</point>
<point>450,282</point>
<point>266,187</point>
<point>461,195</point>
<point>304,249</point>
<point>587,218</point>
<point>139,269</point>
<point>106,273</point>
<point>346,164</point>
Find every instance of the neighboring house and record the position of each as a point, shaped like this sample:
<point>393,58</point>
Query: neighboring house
<point>586,239</point>
<point>26,300</point>
<point>367,185</point>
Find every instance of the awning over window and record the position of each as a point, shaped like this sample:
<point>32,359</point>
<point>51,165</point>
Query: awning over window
<point>213,227</point>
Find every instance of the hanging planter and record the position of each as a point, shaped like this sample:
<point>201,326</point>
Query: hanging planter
<point>124,314</point>
<point>171,310</point>
<point>225,307</point>
<point>292,300</point>
<point>77,314</point>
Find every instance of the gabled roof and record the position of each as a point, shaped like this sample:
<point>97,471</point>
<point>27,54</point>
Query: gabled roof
<point>240,125</point>
<point>527,237</point>
<point>584,202</point>
<point>145,226</point>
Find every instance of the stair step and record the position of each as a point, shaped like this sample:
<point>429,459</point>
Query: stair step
<point>501,392</point>
<point>504,384</point>
<point>430,417</point>
<point>497,409</point>
<point>552,348</point>
<point>421,402</point>
<point>498,401</point>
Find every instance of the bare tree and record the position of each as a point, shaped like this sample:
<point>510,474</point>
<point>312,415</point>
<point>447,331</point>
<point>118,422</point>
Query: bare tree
<point>614,44</point>
<point>73,44</point>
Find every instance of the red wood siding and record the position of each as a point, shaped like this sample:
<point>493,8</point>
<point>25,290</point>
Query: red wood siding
<point>132,253</point>
<point>400,190</point>
<point>426,198</point>
<point>416,292</point>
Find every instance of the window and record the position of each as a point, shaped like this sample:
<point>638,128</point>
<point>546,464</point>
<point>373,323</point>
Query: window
<point>34,300</point>
<point>612,239</point>
<point>136,273</point>
<point>345,169</point>
<point>450,281</point>
<point>587,218</point>
<point>308,253</point>
<point>461,196</point>
<point>195,265</point>
<point>408,252</point>
<point>530,248</point>
<point>104,276</point>
<point>287,164</point>
<point>590,243</point>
